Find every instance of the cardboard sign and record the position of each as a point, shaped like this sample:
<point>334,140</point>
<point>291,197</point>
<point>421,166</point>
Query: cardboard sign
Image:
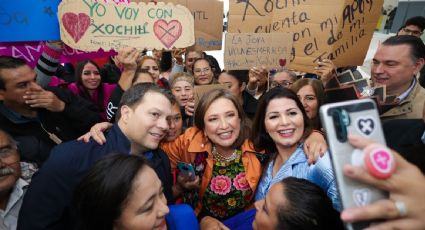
<point>21,20</point>
<point>200,90</point>
<point>31,51</point>
<point>245,50</point>
<point>88,25</point>
<point>208,16</point>
<point>114,1</point>
<point>339,30</point>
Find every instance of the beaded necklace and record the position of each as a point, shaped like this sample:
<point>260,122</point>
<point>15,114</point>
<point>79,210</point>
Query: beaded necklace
<point>221,160</point>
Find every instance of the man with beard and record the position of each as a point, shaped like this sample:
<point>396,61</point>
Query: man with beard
<point>12,188</point>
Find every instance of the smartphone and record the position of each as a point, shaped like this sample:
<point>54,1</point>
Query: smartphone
<point>186,169</point>
<point>358,117</point>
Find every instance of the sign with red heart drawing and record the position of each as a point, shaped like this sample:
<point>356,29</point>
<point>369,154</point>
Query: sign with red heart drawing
<point>89,25</point>
<point>245,50</point>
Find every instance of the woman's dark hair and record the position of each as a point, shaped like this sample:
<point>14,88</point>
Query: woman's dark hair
<point>102,194</point>
<point>205,103</point>
<point>318,89</point>
<point>307,207</point>
<point>240,75</point>
<point>82,90</point>
<point>214,64</point>
<point>260,137</point>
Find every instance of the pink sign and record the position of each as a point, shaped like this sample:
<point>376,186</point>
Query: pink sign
<point>31,51</point>
<point>72,55</point>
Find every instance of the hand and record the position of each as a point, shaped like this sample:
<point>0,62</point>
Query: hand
<point>189,108</point>
<point>178,55</point>
<point>39,98</point>
<point>315,146</point>
<point>256,76</point>
<point>115,60</point>
<point>128,58</point>
<point>406,184</point>
<point>97,133</point>
<point>184,182</point>
<point>325,69</point>
<point>211,223</point>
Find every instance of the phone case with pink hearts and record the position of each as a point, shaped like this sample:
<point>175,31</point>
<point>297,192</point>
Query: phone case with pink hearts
<point>358,117</point>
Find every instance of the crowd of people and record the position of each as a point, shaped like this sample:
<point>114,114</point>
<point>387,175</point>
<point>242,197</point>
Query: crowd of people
<point>101,150</point>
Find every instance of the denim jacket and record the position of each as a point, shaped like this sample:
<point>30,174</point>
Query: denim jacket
<point>320,174</point>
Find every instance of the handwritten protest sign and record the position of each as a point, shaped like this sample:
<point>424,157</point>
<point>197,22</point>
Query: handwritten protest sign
<point>208,16</point>
<point>339,30</point>
<point>21,20</point>
<point>245,50</point>
<point>88,25</point>
<point>31,51</point>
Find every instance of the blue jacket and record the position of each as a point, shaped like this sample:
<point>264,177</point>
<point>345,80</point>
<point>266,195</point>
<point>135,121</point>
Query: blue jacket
<point>47,203</point>
<point>320,173</point>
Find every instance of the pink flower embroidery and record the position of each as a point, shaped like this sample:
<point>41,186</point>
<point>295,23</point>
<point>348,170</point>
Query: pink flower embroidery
<point>221,185</point>
<point>240,182</point>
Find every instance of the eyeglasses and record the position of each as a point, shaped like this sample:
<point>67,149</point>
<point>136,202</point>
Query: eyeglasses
<point>412,32</point>
<point>204,70</point>
<point>281,83</point>
<point>7,151</point>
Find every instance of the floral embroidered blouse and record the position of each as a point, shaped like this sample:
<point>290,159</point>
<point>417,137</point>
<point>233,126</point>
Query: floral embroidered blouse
<point>193,147</point>
<point>228,192</point>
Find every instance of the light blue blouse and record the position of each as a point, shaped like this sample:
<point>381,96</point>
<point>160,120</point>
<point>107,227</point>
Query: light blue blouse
<point>320,173</point>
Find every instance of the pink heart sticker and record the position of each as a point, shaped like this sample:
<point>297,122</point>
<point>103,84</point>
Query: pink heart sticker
<point>382,160</point>
<point>167,33</point>
<point>76,25</point>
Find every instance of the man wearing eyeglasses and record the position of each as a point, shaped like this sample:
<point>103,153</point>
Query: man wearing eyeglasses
<point>413,26</point>
<point>284,78</point>
<point>12,188</point>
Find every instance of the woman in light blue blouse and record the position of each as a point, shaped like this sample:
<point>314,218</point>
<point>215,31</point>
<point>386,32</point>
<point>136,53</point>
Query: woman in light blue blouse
<point>280,127</point>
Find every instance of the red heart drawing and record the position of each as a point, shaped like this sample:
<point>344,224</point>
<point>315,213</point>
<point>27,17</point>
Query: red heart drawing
<point>282,62</point>
<point>167,33</point>
<point>76,25</point>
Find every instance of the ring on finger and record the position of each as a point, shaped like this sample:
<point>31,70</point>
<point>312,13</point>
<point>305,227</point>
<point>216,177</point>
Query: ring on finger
<point>401,208</point>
